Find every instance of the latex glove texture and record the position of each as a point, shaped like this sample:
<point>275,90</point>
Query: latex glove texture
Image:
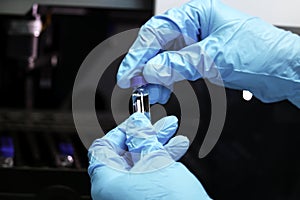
<point>137,160</point>
<point>208,39</point>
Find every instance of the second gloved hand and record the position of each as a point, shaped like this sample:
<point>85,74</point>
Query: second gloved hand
<point>208,39</point>
<point>148,168</point>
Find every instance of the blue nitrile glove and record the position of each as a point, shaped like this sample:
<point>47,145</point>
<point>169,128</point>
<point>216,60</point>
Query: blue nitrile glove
<point>205,38</point>
<point>133,162</point>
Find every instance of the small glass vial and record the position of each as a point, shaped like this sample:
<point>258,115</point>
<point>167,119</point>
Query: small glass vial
<point>7,151</point>
<point>140,96</point>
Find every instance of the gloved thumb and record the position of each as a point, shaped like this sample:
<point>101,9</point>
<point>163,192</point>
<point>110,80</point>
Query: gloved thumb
<point>190,63</point>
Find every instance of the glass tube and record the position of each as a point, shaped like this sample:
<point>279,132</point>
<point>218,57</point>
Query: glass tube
<point>140,96</point>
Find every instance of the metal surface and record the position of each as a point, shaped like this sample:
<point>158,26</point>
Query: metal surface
<point>36,121</point>
<point>21,7</point>
<point>25,27</point>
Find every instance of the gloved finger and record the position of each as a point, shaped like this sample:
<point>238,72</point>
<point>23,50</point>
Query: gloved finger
<point>176,29</point>
<point>177,146</point>
<point>159,93</point>
<point>117,137</point>
<point>109,151</point>
<point>165,128</point>
<point>173,30</point>
<point>189,63</point>
<point>114,140</point>
<point>141,136</point>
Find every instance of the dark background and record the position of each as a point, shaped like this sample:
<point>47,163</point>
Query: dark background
<point>256,157</point>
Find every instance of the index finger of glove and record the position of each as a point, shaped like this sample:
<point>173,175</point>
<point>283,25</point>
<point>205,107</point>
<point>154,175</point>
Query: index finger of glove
<point>145,47</point>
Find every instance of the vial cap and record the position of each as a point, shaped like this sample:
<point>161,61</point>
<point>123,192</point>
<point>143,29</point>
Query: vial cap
<point>138,81</point>
<point>6,147</point>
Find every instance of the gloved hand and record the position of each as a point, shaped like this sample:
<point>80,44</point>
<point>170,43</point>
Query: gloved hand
<point>133,161</point>
<point>205,38</point>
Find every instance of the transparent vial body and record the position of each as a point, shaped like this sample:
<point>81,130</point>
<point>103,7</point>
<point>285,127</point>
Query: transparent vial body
<point>140,100</point>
